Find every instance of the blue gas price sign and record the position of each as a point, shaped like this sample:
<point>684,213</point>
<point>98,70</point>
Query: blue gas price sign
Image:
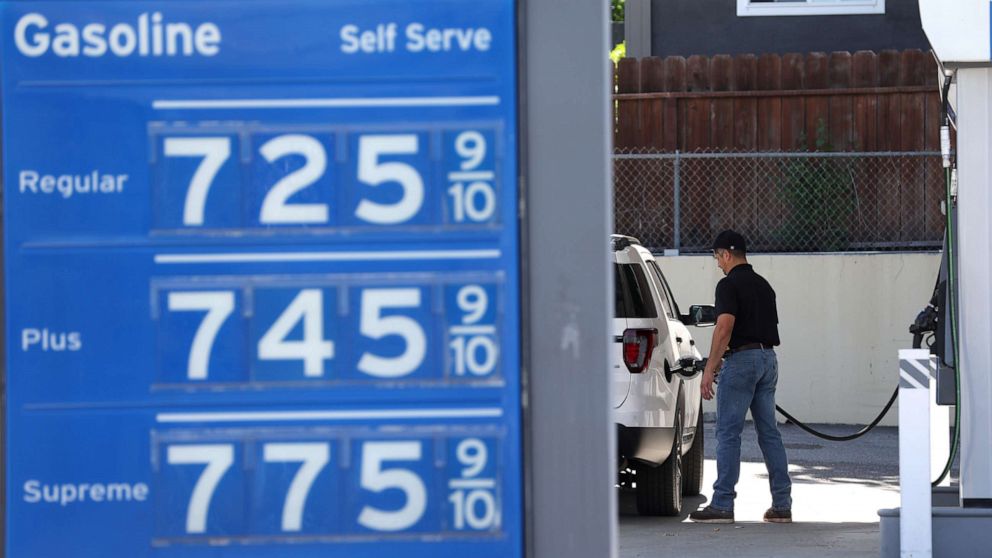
<point>261,275</point>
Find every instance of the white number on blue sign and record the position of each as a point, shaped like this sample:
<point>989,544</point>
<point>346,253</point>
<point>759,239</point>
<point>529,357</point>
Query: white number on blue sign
<point>214,152</point>
<point>374,172</point>
<point>313,349</point>
<point>473,344</point>
<point>314,458</point>
<point>328,333</point>
<point>375,326</point>
<point>218,306</point>
<point>376,477</point>
<point>295,179</point>
<point>473,496</point>
<point>293,486</point>
<point>472,193</point>
<point>218,458</point>
<point>275,207</point>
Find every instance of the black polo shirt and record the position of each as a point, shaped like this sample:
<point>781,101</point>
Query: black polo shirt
<point>751,300</point>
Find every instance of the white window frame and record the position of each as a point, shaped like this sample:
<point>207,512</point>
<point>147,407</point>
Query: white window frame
<point>747,8</point>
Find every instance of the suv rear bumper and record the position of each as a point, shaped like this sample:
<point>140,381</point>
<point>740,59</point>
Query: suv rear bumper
<point>651,445</point>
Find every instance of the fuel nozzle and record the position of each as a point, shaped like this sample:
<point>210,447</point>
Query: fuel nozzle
<point>692,365</point>
<point>690,368</point>
<point>926,322</point>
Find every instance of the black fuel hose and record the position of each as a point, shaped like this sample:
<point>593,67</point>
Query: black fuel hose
<point>848,437</point>
<point>700,365</point>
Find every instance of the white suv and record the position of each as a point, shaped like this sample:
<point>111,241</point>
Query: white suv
<point>657,403</point>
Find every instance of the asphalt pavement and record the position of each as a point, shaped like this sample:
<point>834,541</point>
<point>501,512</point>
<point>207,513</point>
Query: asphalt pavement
<point>838,488</point>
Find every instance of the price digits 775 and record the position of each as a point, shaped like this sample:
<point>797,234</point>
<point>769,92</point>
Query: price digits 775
<point>390,487</point>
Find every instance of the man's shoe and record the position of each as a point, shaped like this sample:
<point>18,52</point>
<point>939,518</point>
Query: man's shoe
<point>710,515</point>
<point>778,516</point>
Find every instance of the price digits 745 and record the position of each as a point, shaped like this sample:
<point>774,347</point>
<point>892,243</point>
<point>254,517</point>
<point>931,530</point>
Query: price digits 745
<point>307,333</point>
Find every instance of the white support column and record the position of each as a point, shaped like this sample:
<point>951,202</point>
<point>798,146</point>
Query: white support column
<point>974,110</point>
<point>915,514</point>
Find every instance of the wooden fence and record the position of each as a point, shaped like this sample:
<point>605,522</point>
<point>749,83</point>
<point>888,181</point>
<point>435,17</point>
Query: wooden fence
<point>865,102</point>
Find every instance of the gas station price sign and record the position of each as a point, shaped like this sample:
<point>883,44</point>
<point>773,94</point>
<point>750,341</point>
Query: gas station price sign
<point>261,278</point>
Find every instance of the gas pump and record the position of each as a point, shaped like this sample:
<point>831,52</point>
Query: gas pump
<point>960,525</point>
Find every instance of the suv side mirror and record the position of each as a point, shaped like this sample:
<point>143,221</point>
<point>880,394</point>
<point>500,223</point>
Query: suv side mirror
<point>700,316</point>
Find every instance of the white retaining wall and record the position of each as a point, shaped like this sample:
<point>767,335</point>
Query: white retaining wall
<point>843,317</point>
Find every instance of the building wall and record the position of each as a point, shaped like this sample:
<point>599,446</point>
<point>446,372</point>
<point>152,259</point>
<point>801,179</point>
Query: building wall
<point>708,27</point>
<point>843,319</point>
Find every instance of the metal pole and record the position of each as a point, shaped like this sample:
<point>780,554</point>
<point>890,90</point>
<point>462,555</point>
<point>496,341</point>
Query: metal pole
<point>677,203</point>
<point>571,437</point>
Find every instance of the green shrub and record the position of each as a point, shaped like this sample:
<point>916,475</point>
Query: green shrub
<point>820,201</point>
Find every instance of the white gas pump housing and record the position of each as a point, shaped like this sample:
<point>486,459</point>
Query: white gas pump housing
<point>960,32</point>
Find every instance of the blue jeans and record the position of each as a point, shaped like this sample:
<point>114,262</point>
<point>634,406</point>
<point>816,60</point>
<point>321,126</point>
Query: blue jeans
<point>747,381</point>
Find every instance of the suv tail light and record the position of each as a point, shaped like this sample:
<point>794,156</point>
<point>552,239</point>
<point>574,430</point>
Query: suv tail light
<point>638,344</point>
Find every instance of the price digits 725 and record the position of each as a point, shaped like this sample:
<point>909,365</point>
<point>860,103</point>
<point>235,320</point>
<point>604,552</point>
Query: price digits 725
<point>219,180</point>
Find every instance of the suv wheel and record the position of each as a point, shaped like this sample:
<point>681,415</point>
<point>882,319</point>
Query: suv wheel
<point>659,489</point>
<point>692,484</point>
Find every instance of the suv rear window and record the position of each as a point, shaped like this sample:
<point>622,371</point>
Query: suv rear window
<point>632,292</point>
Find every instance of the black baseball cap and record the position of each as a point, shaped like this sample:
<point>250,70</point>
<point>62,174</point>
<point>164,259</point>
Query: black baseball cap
<point>730,240</point>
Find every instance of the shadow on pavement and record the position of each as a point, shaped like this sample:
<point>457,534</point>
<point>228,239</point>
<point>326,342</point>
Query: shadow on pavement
<point>837,491</point>
<point>627,507</point>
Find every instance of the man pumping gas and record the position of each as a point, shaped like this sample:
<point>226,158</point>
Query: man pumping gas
<point>744,338</point>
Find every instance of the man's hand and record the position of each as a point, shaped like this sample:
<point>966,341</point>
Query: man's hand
<point>721,337</point>
<point>707,386</point>
<point>709,375</point>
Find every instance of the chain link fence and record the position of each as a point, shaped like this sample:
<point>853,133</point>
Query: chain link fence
<point>782,202</point>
